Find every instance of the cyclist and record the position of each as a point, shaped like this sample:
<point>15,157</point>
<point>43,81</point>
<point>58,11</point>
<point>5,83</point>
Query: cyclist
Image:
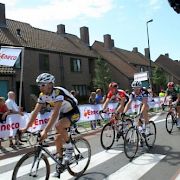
<point>118,94</point>
<point>142,95</point>
<point>174,98</point>
<point>64,109</point>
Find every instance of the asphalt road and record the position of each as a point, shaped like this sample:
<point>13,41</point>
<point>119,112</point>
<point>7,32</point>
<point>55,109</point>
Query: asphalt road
<point>161,163</point>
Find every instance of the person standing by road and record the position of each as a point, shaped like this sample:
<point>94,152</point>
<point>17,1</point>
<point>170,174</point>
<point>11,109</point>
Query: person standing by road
<point>14,109</point>
<point>3,112</point>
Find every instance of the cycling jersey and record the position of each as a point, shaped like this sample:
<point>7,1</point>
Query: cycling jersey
<point>68,108</point>
<point>118,95</point>
<point>172,92</point>
<point>143,94</point>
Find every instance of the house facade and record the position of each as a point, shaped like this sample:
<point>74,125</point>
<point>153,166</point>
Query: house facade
<point>69,58</point>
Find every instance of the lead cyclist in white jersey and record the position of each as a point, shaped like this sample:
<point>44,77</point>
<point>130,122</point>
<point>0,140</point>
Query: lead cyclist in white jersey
<point>141,95</point>
<point>64,108</point>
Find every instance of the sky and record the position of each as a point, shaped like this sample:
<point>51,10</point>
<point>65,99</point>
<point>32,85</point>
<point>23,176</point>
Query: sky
<point>124,20</point>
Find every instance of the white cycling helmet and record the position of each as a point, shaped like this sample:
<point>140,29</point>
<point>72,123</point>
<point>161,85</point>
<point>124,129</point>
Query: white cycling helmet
<point>45,78</point>
<point>136,84</point>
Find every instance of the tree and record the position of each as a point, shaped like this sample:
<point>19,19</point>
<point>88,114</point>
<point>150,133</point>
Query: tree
<point>159,77</point>
<point>102,75</point>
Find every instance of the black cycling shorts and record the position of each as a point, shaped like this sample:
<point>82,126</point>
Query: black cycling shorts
<point>73,115</point>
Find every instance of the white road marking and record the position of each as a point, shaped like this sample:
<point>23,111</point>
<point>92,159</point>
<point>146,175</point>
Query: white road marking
<point>96,159</point>
<point>137,168</point>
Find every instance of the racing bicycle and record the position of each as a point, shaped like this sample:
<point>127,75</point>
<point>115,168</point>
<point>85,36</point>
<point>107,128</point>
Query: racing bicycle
<point>171,118</point>
<point>35,164</point>
<point>136,136</point>
<point>113,130</point>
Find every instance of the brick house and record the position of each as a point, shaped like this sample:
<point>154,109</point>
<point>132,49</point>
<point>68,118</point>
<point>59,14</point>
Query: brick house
<point>170,67</point>
<point>70,58</point>
<point>122,63</point>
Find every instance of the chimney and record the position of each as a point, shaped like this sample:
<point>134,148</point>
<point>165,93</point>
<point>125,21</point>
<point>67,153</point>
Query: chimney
<point>2,16</point>
<point>61,29</point>
<point>84,35</point>
<point>112,43</point>
<point>135,49</point>
<point>146,52</point>
<point>167,55</point>
<point>107,42</point>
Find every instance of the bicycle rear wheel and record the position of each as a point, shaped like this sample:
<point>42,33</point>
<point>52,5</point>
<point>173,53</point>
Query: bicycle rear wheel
<point>169,122</point>
<point>81,157</point>
<point>131,141</point>
<point>107,136</point>
<point>29,167</point>
<point>150,138</point>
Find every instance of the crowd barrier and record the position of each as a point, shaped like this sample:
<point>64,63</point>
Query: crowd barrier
<point>88,113</point>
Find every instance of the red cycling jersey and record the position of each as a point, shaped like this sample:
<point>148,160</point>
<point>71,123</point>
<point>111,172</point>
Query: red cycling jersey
<point>118,95</point>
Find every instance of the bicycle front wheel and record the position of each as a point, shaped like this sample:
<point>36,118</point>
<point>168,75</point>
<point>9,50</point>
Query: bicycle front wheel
<point>107,136</point>
<point>131,141</point>
<point>169,122</point>
<point>126,125</point>
<point>81,157</point>
<point>29,167</point>
<point>150,138</point>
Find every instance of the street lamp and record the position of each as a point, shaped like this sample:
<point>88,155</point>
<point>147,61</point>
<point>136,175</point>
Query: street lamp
<point>150,73</point>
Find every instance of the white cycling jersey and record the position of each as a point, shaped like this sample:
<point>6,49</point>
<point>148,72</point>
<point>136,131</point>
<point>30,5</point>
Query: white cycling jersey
<point>59,94</point>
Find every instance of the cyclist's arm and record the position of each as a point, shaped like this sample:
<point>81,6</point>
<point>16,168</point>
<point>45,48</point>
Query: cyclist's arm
<point>121,106</point>
<point>54,116</point>
<point>106,103</point>
<point>33,115</point>
<point>144,104</point>
<point>127,106</point>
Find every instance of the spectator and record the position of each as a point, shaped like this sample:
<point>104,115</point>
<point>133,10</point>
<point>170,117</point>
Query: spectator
<point>99,97</point>
<point>162,93</point>
<point>11,104</point>
<point>92,100</point>
<point>14,109</point>
<point>3,112</point>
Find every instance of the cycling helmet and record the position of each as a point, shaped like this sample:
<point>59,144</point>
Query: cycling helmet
<point>45,78</point>
<point>112,85</point>
<point>170,84</point>
<point>136,84</point>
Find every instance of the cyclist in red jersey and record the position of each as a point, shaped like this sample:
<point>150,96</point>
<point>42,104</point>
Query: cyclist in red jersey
<point>118,94</point>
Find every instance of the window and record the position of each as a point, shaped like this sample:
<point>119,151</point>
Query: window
<point>75,65</point>
<point>43,62</point>
<point>18,62</point>
<point>82,89</point>
<point>34,90</point>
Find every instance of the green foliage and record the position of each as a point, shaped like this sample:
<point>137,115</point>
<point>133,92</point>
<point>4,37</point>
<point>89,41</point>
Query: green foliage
<point>102,75</point>
<point>159,77</point>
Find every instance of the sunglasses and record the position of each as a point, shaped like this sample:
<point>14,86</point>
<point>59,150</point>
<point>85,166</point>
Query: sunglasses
<point>41,85</point>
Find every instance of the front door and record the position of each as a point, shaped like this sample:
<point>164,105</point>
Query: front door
<point>4,84</point>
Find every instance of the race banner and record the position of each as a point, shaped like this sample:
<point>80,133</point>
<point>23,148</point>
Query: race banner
<point>88,113</point>
<point>9,56</point>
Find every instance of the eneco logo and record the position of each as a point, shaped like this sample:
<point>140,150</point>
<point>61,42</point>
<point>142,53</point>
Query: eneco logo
<point>7,57</point>
<point>89,112</point>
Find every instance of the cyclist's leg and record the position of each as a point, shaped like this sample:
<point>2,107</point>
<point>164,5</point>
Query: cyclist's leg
<point>62,137</point>
<point>170,104</point>
<point>144,110</point>
<point>120,108</point>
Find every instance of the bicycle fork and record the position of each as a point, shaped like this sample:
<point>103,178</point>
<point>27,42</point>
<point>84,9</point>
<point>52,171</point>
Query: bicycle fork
<point>35,164</point>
